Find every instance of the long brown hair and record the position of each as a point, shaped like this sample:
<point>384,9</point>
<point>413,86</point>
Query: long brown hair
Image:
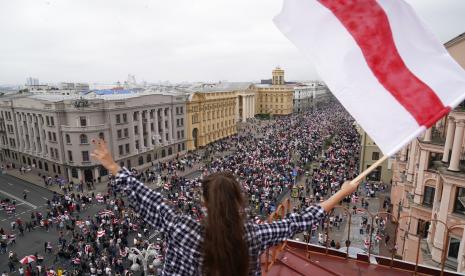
<point>225,250</point>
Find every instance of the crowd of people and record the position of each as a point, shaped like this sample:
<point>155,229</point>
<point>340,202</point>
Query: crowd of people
<point>269,158</point>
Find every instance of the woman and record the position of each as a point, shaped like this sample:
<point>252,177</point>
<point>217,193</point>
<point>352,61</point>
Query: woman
<point>224,243</point>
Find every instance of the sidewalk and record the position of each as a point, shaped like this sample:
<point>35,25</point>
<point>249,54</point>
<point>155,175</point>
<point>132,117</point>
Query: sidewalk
<point>34,178</point>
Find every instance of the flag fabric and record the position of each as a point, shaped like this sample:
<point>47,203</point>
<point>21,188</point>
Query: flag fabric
<point>380,61</point>
<point>100,233</point>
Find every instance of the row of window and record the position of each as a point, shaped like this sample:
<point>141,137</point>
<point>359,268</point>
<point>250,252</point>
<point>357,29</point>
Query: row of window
<point>459,200</point>
<point>6,115</point>
<point>83,139</point>
<point>123,117</point>
<point>148,157</point>
<point>54,153</point>
<point>123,149</point>
<point>84,154</point>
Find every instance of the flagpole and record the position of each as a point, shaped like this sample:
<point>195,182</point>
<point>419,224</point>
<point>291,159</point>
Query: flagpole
<point>356,180</point>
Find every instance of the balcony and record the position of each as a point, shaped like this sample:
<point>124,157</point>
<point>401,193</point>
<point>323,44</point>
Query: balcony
<point>299,258</point>
<point>95,128</point>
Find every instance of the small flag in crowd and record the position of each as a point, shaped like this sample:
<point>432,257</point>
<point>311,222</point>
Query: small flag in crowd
<point>380,61</point>
<point>100,233</point>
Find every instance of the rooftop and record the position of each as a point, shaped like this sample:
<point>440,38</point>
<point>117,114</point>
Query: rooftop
<point>298,258</point>
<point>454,40</point>
<point>219,87</point>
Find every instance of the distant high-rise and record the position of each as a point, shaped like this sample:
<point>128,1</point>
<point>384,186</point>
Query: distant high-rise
<point>32,81</point>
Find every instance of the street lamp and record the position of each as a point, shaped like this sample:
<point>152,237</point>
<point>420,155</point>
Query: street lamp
<point>143,256</point>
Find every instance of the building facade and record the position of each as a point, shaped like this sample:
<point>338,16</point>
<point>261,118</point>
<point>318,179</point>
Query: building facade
<point>369,154</point>
<point>213,111</point>
<point>53,133</point>
<point>309,95</point>
<point>429,188</point>
<point>275,98</point>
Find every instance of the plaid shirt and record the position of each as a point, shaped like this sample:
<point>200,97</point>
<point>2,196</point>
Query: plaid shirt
<point>185,235</point>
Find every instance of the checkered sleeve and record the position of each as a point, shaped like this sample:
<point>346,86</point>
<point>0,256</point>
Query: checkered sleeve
<point>270,234</point>
<point>146,202</point>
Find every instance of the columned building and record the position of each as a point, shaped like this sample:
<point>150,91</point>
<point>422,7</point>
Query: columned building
<point>213,111</point>
<point>53,133</point>
<point>429,188</point>
<point>275,98</point>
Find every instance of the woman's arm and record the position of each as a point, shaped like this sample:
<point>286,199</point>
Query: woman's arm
<point>274,233</point>
<point>147,203</point>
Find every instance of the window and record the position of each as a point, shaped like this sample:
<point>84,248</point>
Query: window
<point>101,136</point>
<point>459,205</point>
<point>375,155</point>
<point>68,139</point>
<point>118,119</point>
<point>49,136</point>
<point>83,121</point>
<point>127,148</point>
<point>120,150</point>
<point>428,197</point>
<point>46,166</point>
<point>52,121</point>
<point>137,144</point>
<point>119,134</point>
<point>126,133</point>
<point>83,139</point>
<point>125,118</point>
<point>74,173</point>
<point>149,158</point>
<point>70,156</point>
<point>141,160</point>
<point>85,156</point>
<point>54,136</point>
<point>129,164</point>
<point>454,245</point>
<point>48,120</point>
<point>136,130</point>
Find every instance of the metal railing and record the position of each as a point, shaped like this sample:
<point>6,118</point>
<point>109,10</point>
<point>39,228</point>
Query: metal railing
<point>284,209</point>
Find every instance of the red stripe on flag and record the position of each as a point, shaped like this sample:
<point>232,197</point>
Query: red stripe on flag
<point>368,24</point>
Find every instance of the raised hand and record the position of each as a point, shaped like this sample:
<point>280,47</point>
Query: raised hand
<point>103,155</point>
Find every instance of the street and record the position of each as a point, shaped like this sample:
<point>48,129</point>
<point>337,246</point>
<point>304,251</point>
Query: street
<point>13,188</point>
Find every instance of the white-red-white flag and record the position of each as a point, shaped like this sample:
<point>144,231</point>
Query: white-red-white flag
<point>100,233</point>
<point>377,57</point>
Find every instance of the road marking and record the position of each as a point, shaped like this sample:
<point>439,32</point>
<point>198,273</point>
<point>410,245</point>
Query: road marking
<point>18,199</point>
<point>45,198</point>
<point>10,184</point>
<point>22,203</point>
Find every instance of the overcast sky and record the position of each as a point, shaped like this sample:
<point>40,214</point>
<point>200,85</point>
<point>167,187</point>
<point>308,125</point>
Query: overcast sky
<point>175,40</point>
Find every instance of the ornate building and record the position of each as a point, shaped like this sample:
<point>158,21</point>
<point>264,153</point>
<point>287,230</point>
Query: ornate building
<point>53,133</point>
<point>275,98</point>
<point>429,188</point>
<point>213,111</point>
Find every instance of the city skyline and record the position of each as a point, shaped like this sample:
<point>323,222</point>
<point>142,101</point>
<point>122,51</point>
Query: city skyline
<point>183,41</point>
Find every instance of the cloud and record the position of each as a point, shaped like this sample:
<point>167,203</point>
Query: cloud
<point>177,40</point>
